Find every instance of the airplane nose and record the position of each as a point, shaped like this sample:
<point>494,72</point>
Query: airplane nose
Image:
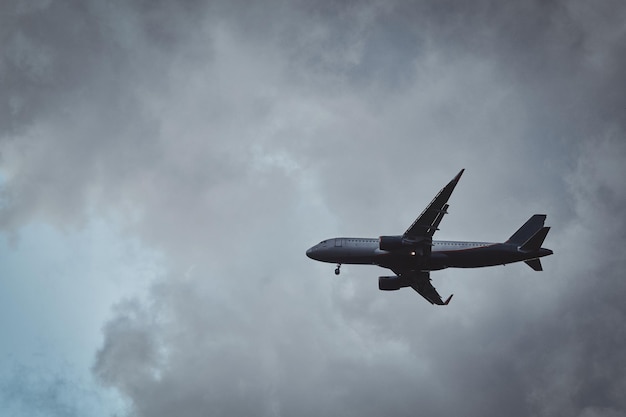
<point>308,252</point>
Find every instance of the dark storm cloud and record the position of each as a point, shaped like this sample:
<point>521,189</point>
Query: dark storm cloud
<point>232,136</point>
<point>72,78</point>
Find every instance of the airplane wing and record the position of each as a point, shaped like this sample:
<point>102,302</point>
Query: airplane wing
<point>420,282</point>
<point>427,222</point>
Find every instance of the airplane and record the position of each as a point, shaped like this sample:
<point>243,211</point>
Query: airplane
<point>414,254</point>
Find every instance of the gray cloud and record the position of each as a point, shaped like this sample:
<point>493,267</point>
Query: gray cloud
<point>28,389</point>
<point>231,137</point>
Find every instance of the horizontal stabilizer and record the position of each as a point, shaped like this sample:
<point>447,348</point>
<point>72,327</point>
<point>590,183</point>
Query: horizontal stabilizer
<point>535,242</point>
<point>534,264</point>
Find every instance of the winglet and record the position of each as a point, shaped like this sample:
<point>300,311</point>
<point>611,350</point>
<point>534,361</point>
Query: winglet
<point>458,176</point>
<point>445,303</point>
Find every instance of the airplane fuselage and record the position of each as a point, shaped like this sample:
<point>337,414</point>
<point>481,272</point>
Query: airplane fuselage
<point>444,254</point>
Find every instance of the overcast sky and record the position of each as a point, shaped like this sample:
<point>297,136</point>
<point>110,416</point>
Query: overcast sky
<point>165,165</point>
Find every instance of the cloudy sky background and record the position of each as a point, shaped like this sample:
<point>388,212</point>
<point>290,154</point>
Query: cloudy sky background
<point>164,166</point>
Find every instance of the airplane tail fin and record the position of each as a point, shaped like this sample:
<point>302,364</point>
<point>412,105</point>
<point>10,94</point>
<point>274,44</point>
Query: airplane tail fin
<point>534,243</point>
<point>528,230</point>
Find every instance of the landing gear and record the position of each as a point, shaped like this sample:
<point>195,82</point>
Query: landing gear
<point>337,270</point>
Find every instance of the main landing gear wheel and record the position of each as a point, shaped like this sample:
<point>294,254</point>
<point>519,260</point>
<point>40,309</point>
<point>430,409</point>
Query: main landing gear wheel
<point>337,270</point>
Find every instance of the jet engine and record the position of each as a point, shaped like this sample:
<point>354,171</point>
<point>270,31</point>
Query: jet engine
<point>392,283</point>
<point>389,243</point>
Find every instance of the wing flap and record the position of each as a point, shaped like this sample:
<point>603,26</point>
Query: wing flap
<point>420,282</point>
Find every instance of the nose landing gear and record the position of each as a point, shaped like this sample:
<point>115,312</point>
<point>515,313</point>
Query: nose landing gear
<point>337,270</point>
